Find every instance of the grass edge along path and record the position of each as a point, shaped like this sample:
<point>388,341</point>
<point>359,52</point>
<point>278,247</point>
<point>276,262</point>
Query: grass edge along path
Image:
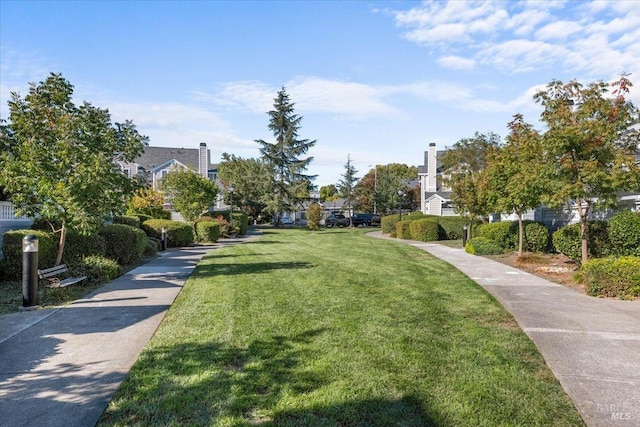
<point>333,328</point>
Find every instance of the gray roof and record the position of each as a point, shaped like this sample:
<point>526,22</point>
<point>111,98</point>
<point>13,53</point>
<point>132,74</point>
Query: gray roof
<point>444,194</point>
<point>155,156</point>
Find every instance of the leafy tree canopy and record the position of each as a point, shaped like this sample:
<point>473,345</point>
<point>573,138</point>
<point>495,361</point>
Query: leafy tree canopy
<point>251,180</point>
<point>190,193</point>
<point>58,159</point>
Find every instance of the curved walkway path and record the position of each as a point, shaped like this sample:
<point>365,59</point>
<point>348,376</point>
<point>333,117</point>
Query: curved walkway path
<point>592,345</point>
<point>61,366</point>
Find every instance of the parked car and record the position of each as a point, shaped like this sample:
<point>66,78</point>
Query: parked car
<point>365,220</point>
<point>286,220</point>
<point>336,220</point>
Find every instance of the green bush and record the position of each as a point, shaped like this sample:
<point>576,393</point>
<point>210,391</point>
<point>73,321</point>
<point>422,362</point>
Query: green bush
<point>482,246</point>
<point>425,230</point>
<point>12,251</point>
<point>504,233</point>
<point>388,223</point>
<point>536,237</point>
<point>207,231</point>
<point>452,226</point>
<point>566,240</point>
<point>125,243</point>
<point>78,246</point>
<point>178,233</point>
<point>152,247</point>
<point>612,277</point>
<point>131,220</point>
<point>624,233</point>
<point>98,269</point>
<point>240,223</point>
<point>403,230</point>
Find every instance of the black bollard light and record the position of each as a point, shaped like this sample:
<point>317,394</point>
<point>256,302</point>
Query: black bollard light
<point>464,235</point>
<point>29,271</point>
<point>164,239</point>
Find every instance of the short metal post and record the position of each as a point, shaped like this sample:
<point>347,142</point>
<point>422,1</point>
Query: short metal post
<point>164,239</point>
<point>464,235</point>
<point>29,271</point>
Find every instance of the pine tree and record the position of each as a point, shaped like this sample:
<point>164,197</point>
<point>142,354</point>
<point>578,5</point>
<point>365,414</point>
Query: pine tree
<point>289,182</point>
<point>347,184</point>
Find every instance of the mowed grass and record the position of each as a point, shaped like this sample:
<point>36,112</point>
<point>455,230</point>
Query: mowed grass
<point>334,328</point>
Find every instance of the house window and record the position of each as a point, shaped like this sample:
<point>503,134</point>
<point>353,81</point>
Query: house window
<point>127,172</point>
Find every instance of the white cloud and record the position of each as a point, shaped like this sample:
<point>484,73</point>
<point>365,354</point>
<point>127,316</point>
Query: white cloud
<point>456,62</point>
<point>522,36</point>
<point>559,30</point>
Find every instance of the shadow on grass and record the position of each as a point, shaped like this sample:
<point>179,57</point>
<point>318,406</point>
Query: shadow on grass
<point>201,384</point>
<point>250,268</point>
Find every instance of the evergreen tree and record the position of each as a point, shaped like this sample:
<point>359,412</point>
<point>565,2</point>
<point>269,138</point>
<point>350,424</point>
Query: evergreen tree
<point>289,182</point>
<point>347,184</point>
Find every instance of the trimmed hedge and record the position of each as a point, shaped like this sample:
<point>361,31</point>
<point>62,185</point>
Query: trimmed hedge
<point>612,277</point>
<point>425,230</point>
<point>98,269</point>
<point>567,240</point>
<point>624,233</point>
<point>207,231</point>
<point>78,246</point>
<point>403,230</point>
<point>482,246</point>
<point>178,233</point>
<point>452,226</point>
<point>131,220</point>
<point>125,243</point>
<point>388,224</point>
<point>12,251</point>
<point>240,223</point>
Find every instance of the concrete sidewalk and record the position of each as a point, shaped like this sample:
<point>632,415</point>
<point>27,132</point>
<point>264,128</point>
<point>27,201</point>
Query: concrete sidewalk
<point>592,345</point>
<point>61,366</point>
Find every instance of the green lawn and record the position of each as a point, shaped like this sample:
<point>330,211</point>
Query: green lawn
<point>337,329</point>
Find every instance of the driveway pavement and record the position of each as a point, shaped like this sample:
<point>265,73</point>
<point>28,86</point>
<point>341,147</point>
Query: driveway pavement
<point>592,345</point>
<point>61,366</point>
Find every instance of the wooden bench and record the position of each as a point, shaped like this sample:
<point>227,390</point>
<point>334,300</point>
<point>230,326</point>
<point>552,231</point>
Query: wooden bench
<point>51,275</point>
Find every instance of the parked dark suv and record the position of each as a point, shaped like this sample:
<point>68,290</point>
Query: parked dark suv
<point>365,220</point>
<point>336,220</point>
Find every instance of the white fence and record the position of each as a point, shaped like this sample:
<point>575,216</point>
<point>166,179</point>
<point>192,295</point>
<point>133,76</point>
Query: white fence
<point>9,220</point>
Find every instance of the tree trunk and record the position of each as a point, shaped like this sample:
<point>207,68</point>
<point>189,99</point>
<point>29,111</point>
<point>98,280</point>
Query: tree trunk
<point>520,234</point>
<point>63,238</point>
<point>584,231</point>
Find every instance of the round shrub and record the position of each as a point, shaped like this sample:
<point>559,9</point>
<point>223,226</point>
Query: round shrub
<point>78,246</point>
<point>612,277</point>
<point>240,223</point>
<point>125,243</point>
<point>624,233</point>
<point>504,233</point>
<point>12,251</point>
<point>425,230</point>
<point>208,231</point>
<point>567,240</point>
<point>452,226</point>
<point>403,230</point>
<point>152,247</point>
<point>482,246</point>
<point>178,233</point>
<point>536,237</point>
<point>98,269</point>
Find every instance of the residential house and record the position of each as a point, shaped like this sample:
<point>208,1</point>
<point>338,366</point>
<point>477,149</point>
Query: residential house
<point>156,162</point>
<point>435,196</point>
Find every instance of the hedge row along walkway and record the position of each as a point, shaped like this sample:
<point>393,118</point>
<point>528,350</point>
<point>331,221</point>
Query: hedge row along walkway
<point>592,345</point>
<point>61,367</point>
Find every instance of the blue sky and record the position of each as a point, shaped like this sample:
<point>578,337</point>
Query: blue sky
<point>376,80</point>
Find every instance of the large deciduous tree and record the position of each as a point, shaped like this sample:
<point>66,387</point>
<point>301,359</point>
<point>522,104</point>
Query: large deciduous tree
<point>516,175</point>
<point>58,159</point>
<point>290,185</point>
<point>347,184</point>
<point>590,143</point>
<point>379,187</point>
<point>251,180</point>
<point>463,164</point>
<point>190,193</point>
